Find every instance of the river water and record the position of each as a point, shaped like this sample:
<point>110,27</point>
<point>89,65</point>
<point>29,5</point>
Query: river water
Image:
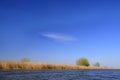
<point>59,74</point>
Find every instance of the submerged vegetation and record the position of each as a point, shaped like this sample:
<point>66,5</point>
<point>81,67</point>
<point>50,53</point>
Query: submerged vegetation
<point>36,66</point>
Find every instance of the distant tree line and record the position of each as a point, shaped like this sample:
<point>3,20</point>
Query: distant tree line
<point>81,62</point>
<point>25,60</point>
<point>85,62</point>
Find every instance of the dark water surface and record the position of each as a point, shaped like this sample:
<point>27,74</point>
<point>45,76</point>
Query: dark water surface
<point>59,74</point>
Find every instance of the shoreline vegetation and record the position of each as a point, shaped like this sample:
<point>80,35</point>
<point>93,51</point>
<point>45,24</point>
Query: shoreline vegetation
<point>13,65</point>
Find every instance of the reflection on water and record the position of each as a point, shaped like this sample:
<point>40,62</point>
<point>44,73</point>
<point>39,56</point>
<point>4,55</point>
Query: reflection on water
<point>60,75</point>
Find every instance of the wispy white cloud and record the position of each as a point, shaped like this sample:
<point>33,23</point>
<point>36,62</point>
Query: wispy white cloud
<point>60,37</point>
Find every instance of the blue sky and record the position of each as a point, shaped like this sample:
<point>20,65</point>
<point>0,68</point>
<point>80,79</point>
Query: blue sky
<point>60,31</point>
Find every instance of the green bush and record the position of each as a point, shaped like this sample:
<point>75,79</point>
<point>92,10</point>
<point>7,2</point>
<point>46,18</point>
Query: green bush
<point>25,60</point>
<point>97,64</point>
<point>82,62</point>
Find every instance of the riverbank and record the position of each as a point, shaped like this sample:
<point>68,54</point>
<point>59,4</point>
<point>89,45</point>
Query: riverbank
<point>13,65</point>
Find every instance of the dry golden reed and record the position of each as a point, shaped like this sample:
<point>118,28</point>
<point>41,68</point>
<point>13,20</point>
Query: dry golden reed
<point>39,66</point>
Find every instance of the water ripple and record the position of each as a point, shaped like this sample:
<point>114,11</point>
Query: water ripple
<point>59,75</point>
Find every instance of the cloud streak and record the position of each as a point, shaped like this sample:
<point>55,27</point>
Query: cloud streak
<point>60,37</point>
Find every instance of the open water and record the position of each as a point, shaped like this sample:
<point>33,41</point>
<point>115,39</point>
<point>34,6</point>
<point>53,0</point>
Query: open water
<point>59,74</point>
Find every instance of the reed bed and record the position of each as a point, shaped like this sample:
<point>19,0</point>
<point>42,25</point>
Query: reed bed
<point>13,65</point>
